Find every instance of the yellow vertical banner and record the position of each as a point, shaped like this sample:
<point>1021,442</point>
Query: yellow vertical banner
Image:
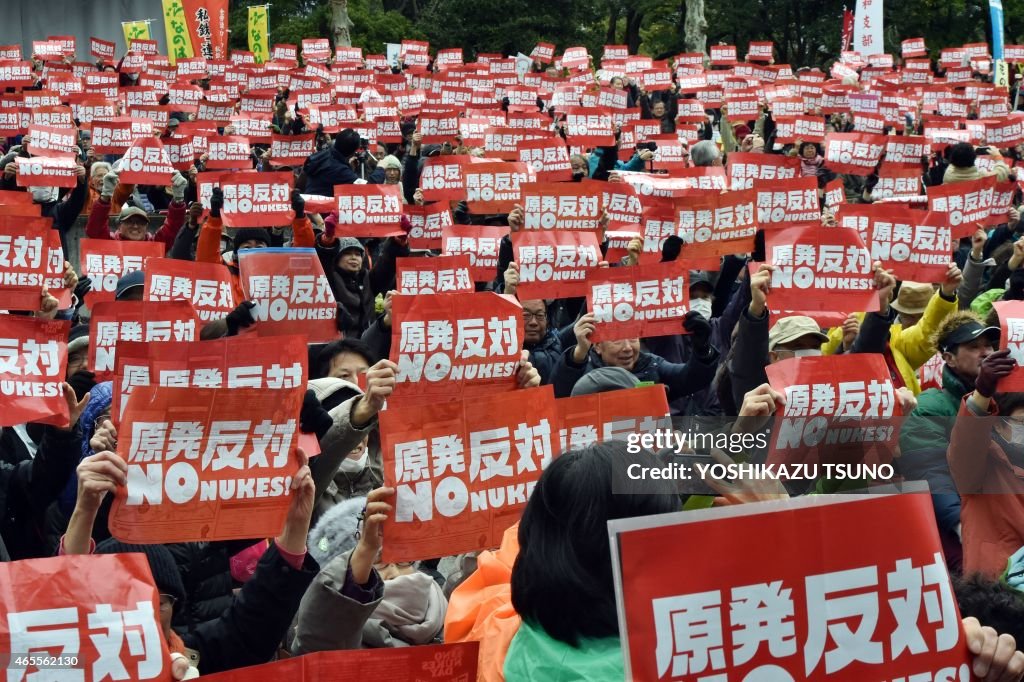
<point>259,27</point>
<point>179,44</point>
<point>135,30</point>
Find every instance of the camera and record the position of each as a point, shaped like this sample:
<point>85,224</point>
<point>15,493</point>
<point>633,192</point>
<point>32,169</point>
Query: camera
<point>649,146</point>
<point>362,152</point>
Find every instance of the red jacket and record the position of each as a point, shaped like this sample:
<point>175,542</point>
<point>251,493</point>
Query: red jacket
<point>98,226</point>
<point>991,492</point>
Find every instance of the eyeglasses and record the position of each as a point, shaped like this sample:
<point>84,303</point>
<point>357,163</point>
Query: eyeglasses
<point>540,317</point>
<point>167,602</point>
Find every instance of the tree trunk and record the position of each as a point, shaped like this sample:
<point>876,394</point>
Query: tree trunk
<point>695,33</point>
<point>341,25</point>
<point>634,20</point>
<point>613,21</point>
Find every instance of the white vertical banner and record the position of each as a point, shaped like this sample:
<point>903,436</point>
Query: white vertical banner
<point>867,28</point>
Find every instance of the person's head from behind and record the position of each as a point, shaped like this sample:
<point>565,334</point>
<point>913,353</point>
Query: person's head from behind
<point>706,153</point>
<point>347,143</point>
<point>535,321</point>
<point>350,255</point>
<point>794,337</point>
<point>133,224</point>
<point>344,359</point>
<point>992,602</point>
<point>964,341</point>
<point>962,155</point>
<point>562,579</point>
<point>620,353</point>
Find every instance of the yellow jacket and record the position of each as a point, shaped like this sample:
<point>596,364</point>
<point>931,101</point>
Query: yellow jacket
<point>910,347</point>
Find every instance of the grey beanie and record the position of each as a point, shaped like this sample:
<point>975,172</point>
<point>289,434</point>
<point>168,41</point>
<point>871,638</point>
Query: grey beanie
<point>604,379</point>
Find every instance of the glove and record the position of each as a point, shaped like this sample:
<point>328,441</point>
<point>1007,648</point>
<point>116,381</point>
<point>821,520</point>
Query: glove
<point>700,333</point>
<point>216,203</point>
<point>241,317</point>
<point>298,204</point>
<point>109,185</point>
<point>993,368</point>
<point>314,418</point>
<point>178,186</point>
<point>330,228</point>
<point>83,287</point>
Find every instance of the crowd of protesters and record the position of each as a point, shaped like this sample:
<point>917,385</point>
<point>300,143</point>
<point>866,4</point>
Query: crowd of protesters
<point>542,605</point>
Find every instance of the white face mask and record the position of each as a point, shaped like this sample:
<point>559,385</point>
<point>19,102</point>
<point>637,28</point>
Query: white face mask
<point>807,353</point>
<point>1016,431</point>
<point>355,466</point>
<point>702,306</point>
<point>44,195</point>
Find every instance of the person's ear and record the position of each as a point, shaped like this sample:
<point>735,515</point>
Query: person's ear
<point>773,357</point>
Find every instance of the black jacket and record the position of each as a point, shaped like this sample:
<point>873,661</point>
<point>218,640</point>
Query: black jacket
<point>252,627</point>
<point>356,292</point>
<point>205,569</point>
<point>324,170</point>
<point>545,354</point>
<point>29,486</point>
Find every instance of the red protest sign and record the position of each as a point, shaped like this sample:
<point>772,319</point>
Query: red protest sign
<point>554,264</point>
<point>968,203</point>
<point>232,362</point>
<point>805,128</point>
<point>760,51</point>
<point>745,167</point>
<point>368,210</point>
<point>442,180</point>
<point>1011,322</point>
<point>105,261</point>
<point>427,224</point>
<point>146,163</point>
<point>24,262</point>
<point>228,152</point>
<point>842,411</point>
<point>291,293</point>
<point>257,199</point>
<point>238,444</point>
<point>549,159</point>
<point>854,153</point>
<point>543,53</point>
<point>588,127</point>
<point>611,415</point>
<point>457,345</point>
<point>86,608</point>
<point>820,269</point>
<point>40,171</point>
<point>438,128</point>
<point>495,186</point>
<point>896,181</point>
<point>489,452</point>
<point>33,360</point>
<point>480,242</point>
<point>291,150</point>
<point>438,663</point>
<point>713,224</point>
<point>907,150</point>
<point>622,204</point>
<point>316,50</point>
<point>915,245</point>
<point>206,285</point>
<point>638,301</point>
<point>112,137</point>
<point>118,321</point>
<point>101,49</point>
<point>16,74</point>
<point>562,206</point>
<point>54,142</point>
<point>913,47</point>
<point>702,624</point>
<point>436,275</point>
<point>784,203</point>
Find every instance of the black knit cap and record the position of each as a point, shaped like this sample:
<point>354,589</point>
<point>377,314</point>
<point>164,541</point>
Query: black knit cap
<point>245,234</point>
<point>161,564</point>
<point>347,142</point>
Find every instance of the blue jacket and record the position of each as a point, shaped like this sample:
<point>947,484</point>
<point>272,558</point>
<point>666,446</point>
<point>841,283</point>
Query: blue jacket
<point>634,164</point>
<point>680,379</point>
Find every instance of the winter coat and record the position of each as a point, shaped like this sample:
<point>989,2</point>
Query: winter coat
<point>332,484</point>
<point>324,170</point>
<point>535,655</point>
<point>357,292</point>
<point>98,225</point>
<point>924,439</point>
<point>544,355</point>
<point>680,380</point>
<point>991,491</point>
<point>205,569</point>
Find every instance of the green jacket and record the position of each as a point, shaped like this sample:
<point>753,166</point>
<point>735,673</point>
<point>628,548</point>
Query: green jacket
<point>924,439</point>
<point>534,655</point>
